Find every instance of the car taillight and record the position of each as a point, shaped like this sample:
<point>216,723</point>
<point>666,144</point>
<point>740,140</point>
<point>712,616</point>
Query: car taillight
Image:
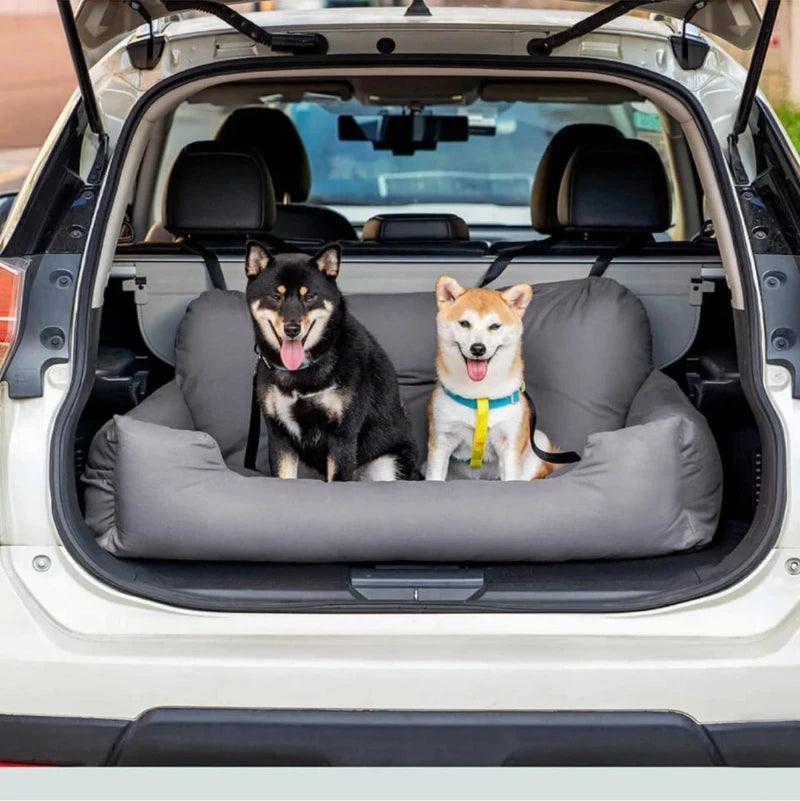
<point>11,278</point>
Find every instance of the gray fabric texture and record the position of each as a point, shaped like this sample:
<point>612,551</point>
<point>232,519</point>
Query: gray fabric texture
<point>214,365</point>
<point>165,407</point>
<point>625,499</point>
<point>167,481</point>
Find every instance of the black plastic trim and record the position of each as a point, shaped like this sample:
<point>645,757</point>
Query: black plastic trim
<point>771,205</point>
<point>47,323</point>
<point>770,744</point>
<point>121,577</point>
<point>209,737</point>
<point>242,737</point>
<point>780,286</point>
<point>57,741</point>
<point>689,51</point>
<point>145,54</point>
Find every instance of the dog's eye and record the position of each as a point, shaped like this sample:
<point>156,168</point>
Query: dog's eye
<point>464,323</point>
<point>310,297</point>
<point>494,326</point>
<point>277,297</point>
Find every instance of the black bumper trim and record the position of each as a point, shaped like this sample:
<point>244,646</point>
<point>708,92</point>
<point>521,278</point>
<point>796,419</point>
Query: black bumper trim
<point>240,737</point>
<point>57,741</point>
<point>304,738</point>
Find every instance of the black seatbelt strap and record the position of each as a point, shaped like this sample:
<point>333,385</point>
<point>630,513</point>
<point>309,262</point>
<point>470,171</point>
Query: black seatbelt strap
<point>562,457</point>
<point>502,261</point>
<point>631,245</point>
<point>253,430</point>
<point>280,245</point>
<point>211,261</point>
<point>209,257</point>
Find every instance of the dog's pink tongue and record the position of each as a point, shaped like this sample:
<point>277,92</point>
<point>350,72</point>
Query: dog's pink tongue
<point>292,353</point>
<point>476,369</point>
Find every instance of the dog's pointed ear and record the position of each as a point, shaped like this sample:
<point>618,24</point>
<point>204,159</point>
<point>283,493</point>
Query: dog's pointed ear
<point>517,298</point>
<point>258,259</point>
<point>329,259</point>
<point>447,290</point>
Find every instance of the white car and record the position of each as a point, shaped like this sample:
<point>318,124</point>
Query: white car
<point>162,611</point>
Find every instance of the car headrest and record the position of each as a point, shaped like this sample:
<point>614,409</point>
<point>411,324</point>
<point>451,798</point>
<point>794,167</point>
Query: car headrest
<point>547,183</point>
<point>615,188</point>
<point>213,189</point>
<point>274,136</point>
<point>420,227</point>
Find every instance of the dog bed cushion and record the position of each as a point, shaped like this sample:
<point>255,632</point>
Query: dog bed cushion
<point>168,481</point>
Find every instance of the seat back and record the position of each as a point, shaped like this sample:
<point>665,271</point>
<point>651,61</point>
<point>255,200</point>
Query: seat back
<point>276,138</point>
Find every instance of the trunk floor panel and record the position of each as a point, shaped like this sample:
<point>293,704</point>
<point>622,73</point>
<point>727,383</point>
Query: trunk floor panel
<point>249,586</point>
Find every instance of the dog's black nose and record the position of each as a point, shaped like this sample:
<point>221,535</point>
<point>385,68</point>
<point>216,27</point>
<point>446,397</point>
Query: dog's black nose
<point>293,329</point>
<point>477,349</point>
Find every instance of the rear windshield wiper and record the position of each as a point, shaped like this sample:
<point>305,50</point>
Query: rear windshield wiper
<point>278,42</point>
<point>545,45</point>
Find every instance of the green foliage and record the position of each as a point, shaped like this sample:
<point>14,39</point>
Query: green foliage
<point>789,116</point>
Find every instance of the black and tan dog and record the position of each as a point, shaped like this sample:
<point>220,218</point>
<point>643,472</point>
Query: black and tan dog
<point>326,388</point>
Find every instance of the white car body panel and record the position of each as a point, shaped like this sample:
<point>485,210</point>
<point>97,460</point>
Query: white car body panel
<point>119,655</point>
<point>80,648</point>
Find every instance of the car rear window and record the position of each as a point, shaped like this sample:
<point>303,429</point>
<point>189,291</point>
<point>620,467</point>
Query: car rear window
<point>486,180</point>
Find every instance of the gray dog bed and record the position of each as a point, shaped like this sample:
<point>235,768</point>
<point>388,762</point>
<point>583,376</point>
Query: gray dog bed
<point>167,480</point>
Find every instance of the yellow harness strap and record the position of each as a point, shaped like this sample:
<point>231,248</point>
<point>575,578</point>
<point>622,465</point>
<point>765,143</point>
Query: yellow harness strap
<point>481,430</point>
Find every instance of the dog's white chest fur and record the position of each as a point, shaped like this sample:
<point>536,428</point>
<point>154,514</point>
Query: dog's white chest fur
<point>459,422</point>
<point>480,351</point>
<point>281,405</point>
<point>507,455</point>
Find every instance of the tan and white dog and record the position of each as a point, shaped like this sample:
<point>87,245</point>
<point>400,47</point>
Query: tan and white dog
<point>479,365</point>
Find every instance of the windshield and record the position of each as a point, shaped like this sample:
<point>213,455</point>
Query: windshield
<point>486,179</point>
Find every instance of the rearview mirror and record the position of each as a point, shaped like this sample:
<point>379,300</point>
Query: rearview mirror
<point>404,134</point>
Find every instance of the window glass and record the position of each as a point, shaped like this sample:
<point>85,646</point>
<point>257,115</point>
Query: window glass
<point>486,179</point>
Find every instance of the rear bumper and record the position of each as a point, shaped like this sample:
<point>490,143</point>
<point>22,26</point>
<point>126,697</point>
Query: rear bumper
<point>241,737</point>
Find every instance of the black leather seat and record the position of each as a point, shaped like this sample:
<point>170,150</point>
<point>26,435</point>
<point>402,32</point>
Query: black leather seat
<point>550,171</point>
<point>274,136</point>
<point>420,234</point>
<point>616,189</point>
<point>216,193</point>
<point>614,197</point>
<point>415,228</point>
<point>215,199</point>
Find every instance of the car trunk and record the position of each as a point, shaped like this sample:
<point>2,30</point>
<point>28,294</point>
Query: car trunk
<point>708,374</point>
<point>713,373</point>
